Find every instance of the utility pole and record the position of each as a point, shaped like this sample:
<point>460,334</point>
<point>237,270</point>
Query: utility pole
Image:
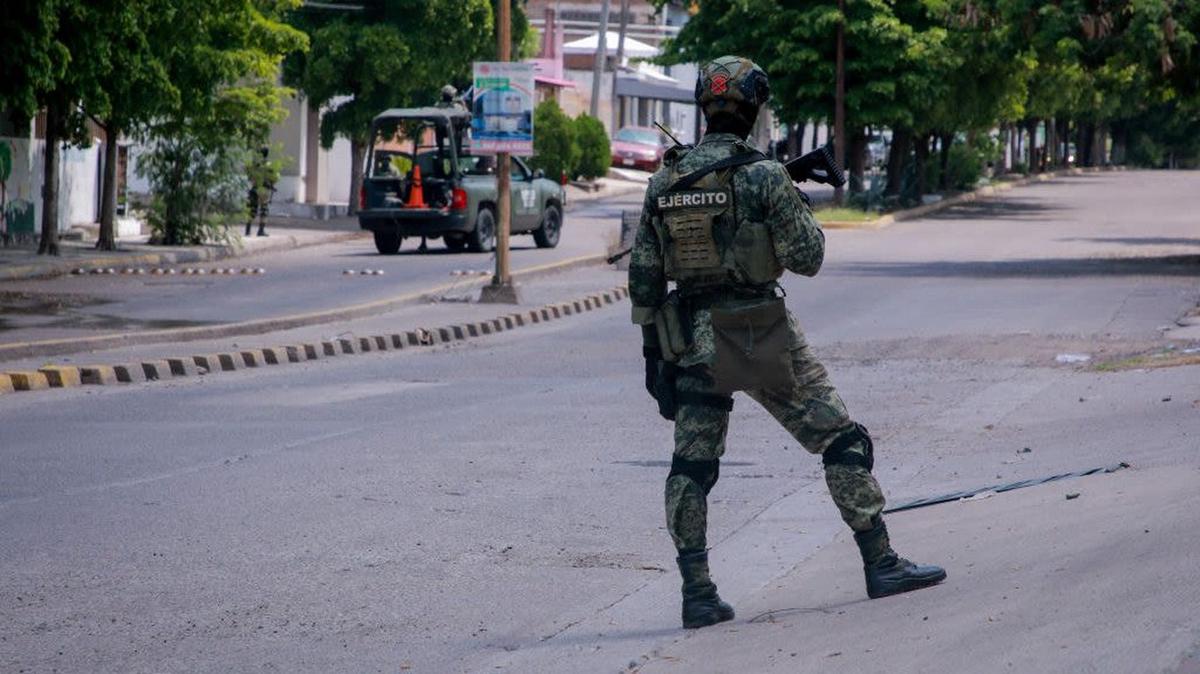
<point>601,54</point>
<point>616,102</point>
<point>839,103</point>
<point>502,289</point>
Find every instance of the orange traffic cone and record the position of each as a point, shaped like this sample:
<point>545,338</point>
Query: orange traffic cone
<point>416,194</point>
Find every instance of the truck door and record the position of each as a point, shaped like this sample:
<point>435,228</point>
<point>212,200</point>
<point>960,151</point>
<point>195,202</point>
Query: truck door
<point>525,211</point>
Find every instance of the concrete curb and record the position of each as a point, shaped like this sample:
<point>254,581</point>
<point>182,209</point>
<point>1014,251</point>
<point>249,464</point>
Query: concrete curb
<point>55,347</point>
<point>62,266</point>
<point>267,357</point>
<point>890,219</point>
<point>624,188</point>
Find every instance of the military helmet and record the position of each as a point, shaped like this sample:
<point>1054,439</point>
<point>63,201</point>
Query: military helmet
<point>726,82</point>
<point>449,92</point>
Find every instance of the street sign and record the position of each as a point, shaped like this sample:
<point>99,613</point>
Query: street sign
<point>503,108</point>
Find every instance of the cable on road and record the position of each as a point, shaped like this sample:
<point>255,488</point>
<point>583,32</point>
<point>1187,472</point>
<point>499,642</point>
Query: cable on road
<point>999,489</point>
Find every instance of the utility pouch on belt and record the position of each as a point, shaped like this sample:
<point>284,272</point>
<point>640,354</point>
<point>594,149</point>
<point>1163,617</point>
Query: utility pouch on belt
<point>671,323</point>
<point>752,348</point>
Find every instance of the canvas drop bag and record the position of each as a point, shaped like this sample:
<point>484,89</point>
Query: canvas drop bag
<point>752,348</point>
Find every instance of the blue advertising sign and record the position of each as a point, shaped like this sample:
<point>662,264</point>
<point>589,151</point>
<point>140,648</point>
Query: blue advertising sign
<point>503,108</point>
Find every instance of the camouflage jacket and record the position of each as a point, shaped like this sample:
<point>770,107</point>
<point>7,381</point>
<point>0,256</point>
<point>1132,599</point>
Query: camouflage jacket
<point>763,193</point>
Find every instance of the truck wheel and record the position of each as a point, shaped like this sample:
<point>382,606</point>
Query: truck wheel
<point>387,243</point>
<point>455,243</point>
<point>547,235</point>
<point>483,238</point>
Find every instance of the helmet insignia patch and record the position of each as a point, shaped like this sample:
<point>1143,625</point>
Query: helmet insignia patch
<point>719,84</point>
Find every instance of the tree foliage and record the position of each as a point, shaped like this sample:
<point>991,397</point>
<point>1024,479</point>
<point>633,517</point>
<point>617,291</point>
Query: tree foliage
<point>223,62</point>
<point>952,69</point>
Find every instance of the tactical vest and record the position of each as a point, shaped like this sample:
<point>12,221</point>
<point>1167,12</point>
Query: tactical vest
<point>703,245</point>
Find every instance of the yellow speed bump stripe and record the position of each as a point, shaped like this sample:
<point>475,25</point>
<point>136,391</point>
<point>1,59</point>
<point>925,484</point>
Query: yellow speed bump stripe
<point>62,376</point>
<point>98,375</point>
<point>6,385</point>
<point>29,381</point>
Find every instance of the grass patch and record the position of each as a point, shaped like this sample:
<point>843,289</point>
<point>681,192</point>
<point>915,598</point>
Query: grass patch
<point>843,214</point>
<point>1147,361</point>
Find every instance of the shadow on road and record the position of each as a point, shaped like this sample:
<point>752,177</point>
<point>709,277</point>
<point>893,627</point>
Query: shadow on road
<point>1139,240</point>
<point>1008,209</point>
<point>1173,265</point>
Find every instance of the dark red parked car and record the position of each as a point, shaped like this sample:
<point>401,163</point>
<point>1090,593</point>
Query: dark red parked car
<point>638,147</point>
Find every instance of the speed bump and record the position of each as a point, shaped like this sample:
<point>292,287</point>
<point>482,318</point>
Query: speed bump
<point>253,358</point>
<point>62,376</point>
<point>29,381</point>
<point>183,367</point>
<point>6,385</point>
<point>156,369</point>
<point>273,356</point>
<point>98,375</point>
<point>295,353</point>
<point>130,373</point>
<point>313,351</point>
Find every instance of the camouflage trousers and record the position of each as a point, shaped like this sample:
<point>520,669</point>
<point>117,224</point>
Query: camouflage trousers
<point>812,412</point>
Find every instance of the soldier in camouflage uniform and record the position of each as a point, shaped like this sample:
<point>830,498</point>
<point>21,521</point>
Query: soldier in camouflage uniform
<point>722,222</point>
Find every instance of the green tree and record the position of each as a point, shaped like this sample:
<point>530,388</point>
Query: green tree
<point>392,53</point>
<point>47,37</point>
<point>223,58</point>
<point>128,45</point>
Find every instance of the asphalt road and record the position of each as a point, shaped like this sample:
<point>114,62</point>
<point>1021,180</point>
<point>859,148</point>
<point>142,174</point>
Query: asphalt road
<point>496,506</point>
<point>296,281</point>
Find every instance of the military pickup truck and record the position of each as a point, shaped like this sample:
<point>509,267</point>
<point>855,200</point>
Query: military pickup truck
<point>457,197</point>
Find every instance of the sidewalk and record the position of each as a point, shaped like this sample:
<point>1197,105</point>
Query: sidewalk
<point>284,233</point>
<point>25,263</point>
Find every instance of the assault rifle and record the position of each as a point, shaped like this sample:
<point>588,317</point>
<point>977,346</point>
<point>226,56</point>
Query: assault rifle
<point>817,166</point>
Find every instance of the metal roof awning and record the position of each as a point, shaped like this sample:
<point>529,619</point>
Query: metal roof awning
<point>630,85</point>
<point>554,82</point>
<point>456,114</point>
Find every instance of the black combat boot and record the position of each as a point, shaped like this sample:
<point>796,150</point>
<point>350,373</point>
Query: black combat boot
<point>701,604</point>
<point>888,573</point>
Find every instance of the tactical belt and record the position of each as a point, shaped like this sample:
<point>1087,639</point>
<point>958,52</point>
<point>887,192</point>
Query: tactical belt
<point>728,162</point>
<point>704,299</point>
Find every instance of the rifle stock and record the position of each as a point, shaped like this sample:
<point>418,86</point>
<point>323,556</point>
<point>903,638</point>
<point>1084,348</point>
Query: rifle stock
<point>817,166</point>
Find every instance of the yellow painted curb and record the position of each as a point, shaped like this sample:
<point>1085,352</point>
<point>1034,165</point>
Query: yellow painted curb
<point>62,376</point>
<point>98,375</point>
<point>29,381</point>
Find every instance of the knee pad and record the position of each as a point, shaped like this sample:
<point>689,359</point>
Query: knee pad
<point>839,454</point>
<point>703,473</point>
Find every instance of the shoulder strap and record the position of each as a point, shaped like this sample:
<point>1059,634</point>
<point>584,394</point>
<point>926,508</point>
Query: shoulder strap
<point>728,162</point>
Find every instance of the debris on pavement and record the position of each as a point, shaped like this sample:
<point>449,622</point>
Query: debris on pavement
<point>1072,358</point>
<point>1073,495</point>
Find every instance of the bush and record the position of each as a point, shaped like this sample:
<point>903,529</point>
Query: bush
<point>595,153</point>
<point>196,192</point>
<point>555,150</point>
<point>967,161</point>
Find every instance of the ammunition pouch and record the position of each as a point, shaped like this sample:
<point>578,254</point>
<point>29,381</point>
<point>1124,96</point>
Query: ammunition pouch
<point>752,348</point>
<point>674,328</point>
